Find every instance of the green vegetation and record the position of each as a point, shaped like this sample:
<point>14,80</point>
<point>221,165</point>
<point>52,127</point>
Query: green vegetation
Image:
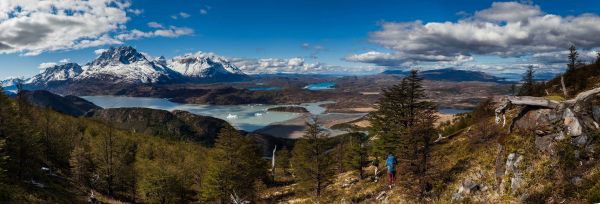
<point>403,125</point>
<point>312,163</point>
<point>50,157</point>
<point>235,165</point>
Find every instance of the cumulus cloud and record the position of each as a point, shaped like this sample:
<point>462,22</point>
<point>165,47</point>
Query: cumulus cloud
<point>388,59</point>
<point>296,65</point>
<point>506,29</point>
<point>64,61</point>
<point>31,27</point>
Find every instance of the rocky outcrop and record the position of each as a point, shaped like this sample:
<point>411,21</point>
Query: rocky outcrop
<point>552,120</point>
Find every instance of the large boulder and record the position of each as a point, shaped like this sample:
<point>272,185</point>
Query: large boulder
<point>539,120</point>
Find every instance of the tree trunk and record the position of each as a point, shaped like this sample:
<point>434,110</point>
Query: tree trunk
<point>564,88</point>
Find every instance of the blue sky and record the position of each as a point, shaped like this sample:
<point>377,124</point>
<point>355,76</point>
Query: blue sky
<point>332,36</point>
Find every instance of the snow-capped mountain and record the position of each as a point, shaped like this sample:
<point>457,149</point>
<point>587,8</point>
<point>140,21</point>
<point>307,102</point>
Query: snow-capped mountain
<point>10,82</point>
<point>56,73</point>
<point>204,65</point>
<point>126,64</point>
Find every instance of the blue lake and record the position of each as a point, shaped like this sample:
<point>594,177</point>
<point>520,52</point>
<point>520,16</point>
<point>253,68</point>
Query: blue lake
<point>243,117</point>
<point>321,86</point>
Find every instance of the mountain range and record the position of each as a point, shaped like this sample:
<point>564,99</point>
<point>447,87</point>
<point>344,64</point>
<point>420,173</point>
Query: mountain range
<point>125,65</point>
<point>451,74</point>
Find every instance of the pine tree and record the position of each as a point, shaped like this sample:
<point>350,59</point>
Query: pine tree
<point>403,125</point>
<point>283,159</point>
<point>528,87</point>
<point>573,55</point>
<point>234,165</point>
<point>357,157</point>
<point>598,58</point>
<point>312,163</point>
<point>23,141</point>
<point>81,163</point>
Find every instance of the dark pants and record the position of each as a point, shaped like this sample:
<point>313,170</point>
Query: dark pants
<point>391,177</point>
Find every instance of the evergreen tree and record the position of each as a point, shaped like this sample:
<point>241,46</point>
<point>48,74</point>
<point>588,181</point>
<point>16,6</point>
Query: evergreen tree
<point>312,163</point>
<point>23,142</point>
<point>357,157</point>
<point>598,58</point>
<point>403,125</point>
<point>82,163</point>
<point>283,159</point>
<point>528,88</point>
<point>573,55</point>
<point>235,164</point>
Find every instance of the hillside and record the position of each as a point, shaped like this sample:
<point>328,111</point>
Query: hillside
<point>451,74</point>
<point>70,105</point>
<point>543,154</point>
<point>582,78</point>
<point>178,125</point>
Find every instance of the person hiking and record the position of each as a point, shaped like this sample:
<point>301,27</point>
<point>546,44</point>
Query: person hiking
<point>391,162</point>
<point>375,164</point>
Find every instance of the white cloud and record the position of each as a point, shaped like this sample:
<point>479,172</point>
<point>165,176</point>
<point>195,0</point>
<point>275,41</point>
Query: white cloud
<point>99,51</point>
<point>508,12</point>
<point>46,65</point>
<point>154,25</point>
<point>64,61</point>
<point>33,27</point>
<point>184,15</point>
<point>506,29</point>
<point>136,12</point>
<point>170,32</point>
<point>298,66</point>
<point>203,11</point>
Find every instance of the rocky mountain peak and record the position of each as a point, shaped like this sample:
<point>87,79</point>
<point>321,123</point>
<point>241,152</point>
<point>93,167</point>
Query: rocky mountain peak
<point>202,64</point>
<point>122,55</point>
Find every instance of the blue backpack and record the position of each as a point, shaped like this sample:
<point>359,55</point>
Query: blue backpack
<point>391,163</point>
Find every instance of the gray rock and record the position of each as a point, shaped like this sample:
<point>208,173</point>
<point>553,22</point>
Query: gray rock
<point>515,182</point>
<point>560,136</point>
<point>580,141</point>
<point>513,161</point>
<point>596,112</point>
<point>576,180</point>
<point>456,197</point>
<point>545,143</point>
<point>572,123</point>
<point>540,120</point>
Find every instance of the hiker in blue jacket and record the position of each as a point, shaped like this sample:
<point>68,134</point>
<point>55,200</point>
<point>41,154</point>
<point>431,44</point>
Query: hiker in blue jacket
<point>391,162</point>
